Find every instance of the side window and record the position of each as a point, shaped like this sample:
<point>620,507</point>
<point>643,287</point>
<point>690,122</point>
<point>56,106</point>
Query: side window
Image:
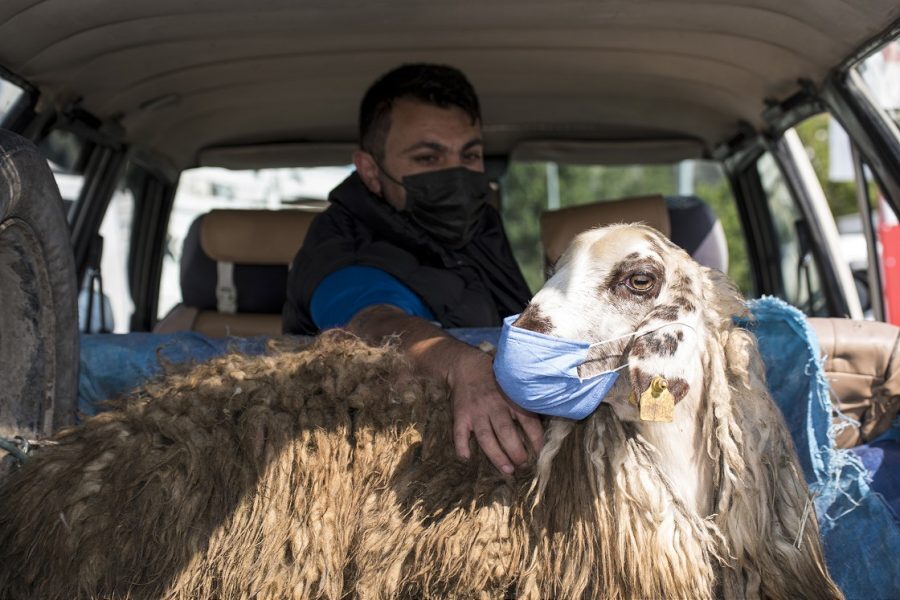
<point>66,154</point>
<point>881,72</point>
<point>864,219</point>
<point>104,303</point>
<point>10,95</point>
<point>800,276</point>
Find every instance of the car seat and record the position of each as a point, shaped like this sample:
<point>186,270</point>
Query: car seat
<point>686,220</point>
<point>234,268</point>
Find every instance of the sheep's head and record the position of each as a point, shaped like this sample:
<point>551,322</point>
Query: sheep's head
<point>618,280</point>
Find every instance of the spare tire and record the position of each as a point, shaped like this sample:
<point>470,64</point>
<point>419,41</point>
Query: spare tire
<point>38,295</point>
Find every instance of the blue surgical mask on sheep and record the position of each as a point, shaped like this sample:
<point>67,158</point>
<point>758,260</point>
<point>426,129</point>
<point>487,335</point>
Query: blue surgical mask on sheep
<point>539,372</point>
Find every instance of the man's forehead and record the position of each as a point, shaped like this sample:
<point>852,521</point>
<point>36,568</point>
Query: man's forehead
<point>413,122</point>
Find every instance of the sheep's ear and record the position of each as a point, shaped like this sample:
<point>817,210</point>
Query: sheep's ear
<point>723,296</point>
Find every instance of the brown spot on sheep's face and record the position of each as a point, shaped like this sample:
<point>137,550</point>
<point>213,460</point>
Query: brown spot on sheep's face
<point>666,312</point>
<point>533,320</point>
<point>682,293</point>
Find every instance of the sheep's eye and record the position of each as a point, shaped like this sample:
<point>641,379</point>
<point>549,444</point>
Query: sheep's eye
<point>641,282</point>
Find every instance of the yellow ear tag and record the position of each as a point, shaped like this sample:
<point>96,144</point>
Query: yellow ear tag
<point>657,402</point>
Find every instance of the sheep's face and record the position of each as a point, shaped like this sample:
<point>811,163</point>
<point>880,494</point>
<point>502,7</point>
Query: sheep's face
<point>613,282</point>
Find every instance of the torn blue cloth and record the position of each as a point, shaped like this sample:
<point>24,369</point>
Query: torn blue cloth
<point>857,492</point>
<point>858,529</point>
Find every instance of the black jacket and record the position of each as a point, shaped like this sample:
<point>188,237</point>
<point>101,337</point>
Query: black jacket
<point>476,286</point>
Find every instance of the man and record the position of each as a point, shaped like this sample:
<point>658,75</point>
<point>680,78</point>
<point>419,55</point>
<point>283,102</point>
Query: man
<point>409,241</point>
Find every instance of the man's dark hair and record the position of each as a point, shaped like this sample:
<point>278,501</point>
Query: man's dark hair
<point>438,85</point>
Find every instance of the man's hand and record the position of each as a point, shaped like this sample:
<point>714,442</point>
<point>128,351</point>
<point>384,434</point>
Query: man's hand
<point>480,407</point>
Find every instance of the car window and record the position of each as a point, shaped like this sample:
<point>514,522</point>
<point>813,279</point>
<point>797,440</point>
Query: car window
<point>104,303</point>
<point>66,154</point>
<point>531,187</point>
<point>838,167</point>
<point>800,276</point>
<point>204,189</point>
<point>10,94</point>
<point>881,73</point>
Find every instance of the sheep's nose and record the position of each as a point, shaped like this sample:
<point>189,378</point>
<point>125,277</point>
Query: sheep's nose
<point>534,320</point>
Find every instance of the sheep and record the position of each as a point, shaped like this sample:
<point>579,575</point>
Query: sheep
<point>329,471</point>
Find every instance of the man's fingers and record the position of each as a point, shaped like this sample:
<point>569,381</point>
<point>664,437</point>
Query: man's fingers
<point>534,431</point>
<point>461,432</point>
<point>509,437</point>
<point>491,448</point>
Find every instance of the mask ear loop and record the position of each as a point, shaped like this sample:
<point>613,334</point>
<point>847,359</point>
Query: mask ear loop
<point>637,333</point>
<point>640,333</point>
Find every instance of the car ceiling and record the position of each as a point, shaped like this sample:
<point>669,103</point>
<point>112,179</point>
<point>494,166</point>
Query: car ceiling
<point>181,76</point>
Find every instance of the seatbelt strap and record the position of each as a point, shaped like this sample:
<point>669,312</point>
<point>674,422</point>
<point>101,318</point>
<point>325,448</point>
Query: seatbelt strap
<point>226,292</point>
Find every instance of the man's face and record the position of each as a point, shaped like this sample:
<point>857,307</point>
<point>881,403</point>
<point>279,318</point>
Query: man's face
<point>421,137</point>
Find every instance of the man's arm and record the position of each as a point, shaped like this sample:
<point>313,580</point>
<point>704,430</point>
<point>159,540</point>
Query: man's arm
<point>479,406</point>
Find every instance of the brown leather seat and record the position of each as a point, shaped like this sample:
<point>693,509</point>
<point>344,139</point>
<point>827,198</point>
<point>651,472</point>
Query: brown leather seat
<point>862,364</point>
<point>234,272</point>
<point>559,227</point>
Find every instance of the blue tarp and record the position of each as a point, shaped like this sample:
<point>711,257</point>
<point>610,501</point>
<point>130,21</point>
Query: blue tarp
<point>857,492</point>
<point>858,527</point>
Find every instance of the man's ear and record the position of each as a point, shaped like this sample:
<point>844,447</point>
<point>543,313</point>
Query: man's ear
<point>368,171</point>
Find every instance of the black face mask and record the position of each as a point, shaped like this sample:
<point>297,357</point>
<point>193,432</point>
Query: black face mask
<point>446,204</point>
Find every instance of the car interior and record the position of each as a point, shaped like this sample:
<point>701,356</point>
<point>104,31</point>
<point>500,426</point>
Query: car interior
<point>110,108</point>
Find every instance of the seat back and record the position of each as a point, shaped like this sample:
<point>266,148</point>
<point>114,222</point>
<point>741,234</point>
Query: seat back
<point>697,229</point>
<point>559,227</point>
<point>686,220</point>
<point>862,365</point>
<point>234,269</point>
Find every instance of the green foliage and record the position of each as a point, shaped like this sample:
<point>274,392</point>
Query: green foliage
<point>525,196</point>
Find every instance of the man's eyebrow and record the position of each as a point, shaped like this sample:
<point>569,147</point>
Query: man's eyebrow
<point>428,145</point>
<point>437,147</point>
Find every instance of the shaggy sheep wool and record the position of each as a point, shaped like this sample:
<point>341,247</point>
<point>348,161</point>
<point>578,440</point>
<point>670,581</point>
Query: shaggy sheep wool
<point>329,471</point>
<point>323,473</point>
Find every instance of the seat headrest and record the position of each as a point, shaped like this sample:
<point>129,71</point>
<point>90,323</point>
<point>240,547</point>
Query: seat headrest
<point>559,227</point>
<point>254,237</point>
<point>697,229</point>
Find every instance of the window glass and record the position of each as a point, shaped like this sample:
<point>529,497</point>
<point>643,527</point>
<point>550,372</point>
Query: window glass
<point>881,72</point>
<point>10,93</point>
<point>109,308</point>
<point>204,189</point>
<point>65,153</point>
<point>831,153</point>
<point>532,187</point>
<point>801,280</point>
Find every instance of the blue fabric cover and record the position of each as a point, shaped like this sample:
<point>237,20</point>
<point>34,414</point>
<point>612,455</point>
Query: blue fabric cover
<point>348,290</point>
<point>854,489</point>
<point>861,536</point>
<point>114,364</point>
